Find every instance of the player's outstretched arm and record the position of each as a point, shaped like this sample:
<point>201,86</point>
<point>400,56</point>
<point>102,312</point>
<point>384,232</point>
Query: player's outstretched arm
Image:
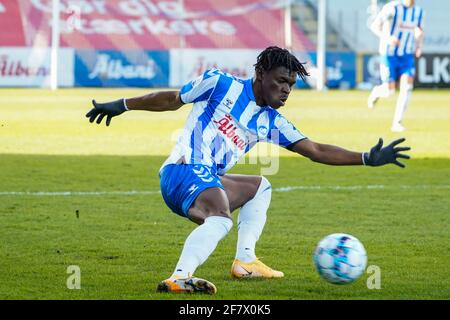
<point>333,155</point>
<point>419,36</point>
<point>377,24</point>
<point>157,101</point>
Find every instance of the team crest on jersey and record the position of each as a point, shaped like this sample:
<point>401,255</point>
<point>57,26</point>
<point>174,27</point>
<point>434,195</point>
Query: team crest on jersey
<point>262,131</point>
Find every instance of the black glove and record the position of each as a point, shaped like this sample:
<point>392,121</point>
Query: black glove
<point>380,156</point>
<point>109,109</point>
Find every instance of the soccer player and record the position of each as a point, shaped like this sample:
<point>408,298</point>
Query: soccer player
<point>228,117</point>
<point>399,25</point>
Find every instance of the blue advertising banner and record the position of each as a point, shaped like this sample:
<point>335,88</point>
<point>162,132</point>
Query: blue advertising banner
<point>433,71</point>
<point>341,69</point>
<point>107,68</point>
<point>371,69</point>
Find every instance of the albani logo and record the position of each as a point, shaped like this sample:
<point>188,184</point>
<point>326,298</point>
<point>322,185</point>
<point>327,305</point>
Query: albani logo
<point>108,68</point>
<point>10,67</point>
<point>227,127</point>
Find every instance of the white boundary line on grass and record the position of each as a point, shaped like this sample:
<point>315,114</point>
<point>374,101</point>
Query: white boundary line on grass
<point>281,189</point>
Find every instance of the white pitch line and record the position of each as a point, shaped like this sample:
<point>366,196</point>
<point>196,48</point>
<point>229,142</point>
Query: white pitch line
<point>368,187</point>
<point>78,193</point>
<point>281,189</point>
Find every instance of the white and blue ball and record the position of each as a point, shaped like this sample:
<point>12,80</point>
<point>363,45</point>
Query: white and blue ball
<point>340,258</point>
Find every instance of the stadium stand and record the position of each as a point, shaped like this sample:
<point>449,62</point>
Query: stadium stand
<point>148,43</point>
<point>304,13</point>
<point>120,25</point>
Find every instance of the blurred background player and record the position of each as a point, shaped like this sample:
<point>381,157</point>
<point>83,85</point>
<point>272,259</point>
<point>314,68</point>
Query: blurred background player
<point>399,25</point>
<point>229,116</point>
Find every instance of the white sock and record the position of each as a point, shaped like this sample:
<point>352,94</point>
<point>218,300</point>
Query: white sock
<point>381,91</point>
<point>200,244</point>
<point>402,103</point>
<point>251,220</point>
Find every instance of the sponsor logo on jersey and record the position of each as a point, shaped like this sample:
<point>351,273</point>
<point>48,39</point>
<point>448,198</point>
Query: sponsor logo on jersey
<point>227,127</point>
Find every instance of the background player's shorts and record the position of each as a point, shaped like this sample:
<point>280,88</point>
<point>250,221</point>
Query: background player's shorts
<point>393,67</point>
<point>182,183</point>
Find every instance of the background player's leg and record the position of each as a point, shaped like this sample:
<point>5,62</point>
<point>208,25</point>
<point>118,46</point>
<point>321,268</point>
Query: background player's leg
<point>388,78</point>
<point>383,90</point>
<point>406,87</point>
<point>211,211</point>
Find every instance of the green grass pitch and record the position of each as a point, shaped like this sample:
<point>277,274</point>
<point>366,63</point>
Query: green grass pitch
<point>66,198</point>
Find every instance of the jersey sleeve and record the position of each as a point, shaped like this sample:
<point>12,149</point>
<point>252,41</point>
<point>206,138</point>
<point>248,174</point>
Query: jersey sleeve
<point>201,88</point>
<point>283,132</point>
<point>387,13</point>
<point>384,20</point>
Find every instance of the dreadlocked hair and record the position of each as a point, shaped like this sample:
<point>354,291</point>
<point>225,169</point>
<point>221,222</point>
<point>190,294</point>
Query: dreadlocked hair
<point>273,57</point>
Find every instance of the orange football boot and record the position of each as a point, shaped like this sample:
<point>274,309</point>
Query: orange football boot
<point>189,285</point>
<point>254,269</point>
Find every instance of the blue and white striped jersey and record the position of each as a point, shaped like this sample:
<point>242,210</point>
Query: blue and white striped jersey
<point>401,22</point>
<point>225,122</point>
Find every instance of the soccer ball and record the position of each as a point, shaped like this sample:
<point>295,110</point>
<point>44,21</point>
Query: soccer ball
<point>340,258</point>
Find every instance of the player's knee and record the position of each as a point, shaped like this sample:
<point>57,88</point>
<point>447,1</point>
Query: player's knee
<point>199,216</point>
<point>225,221</point>
<point>264,192</point>
<point>259,188</point>
<point>384,90</point>
<point>200,211</point>
<point>406,87</point>
<point>388,91</point>
<point>264,185</point>
<point>218,211</point>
